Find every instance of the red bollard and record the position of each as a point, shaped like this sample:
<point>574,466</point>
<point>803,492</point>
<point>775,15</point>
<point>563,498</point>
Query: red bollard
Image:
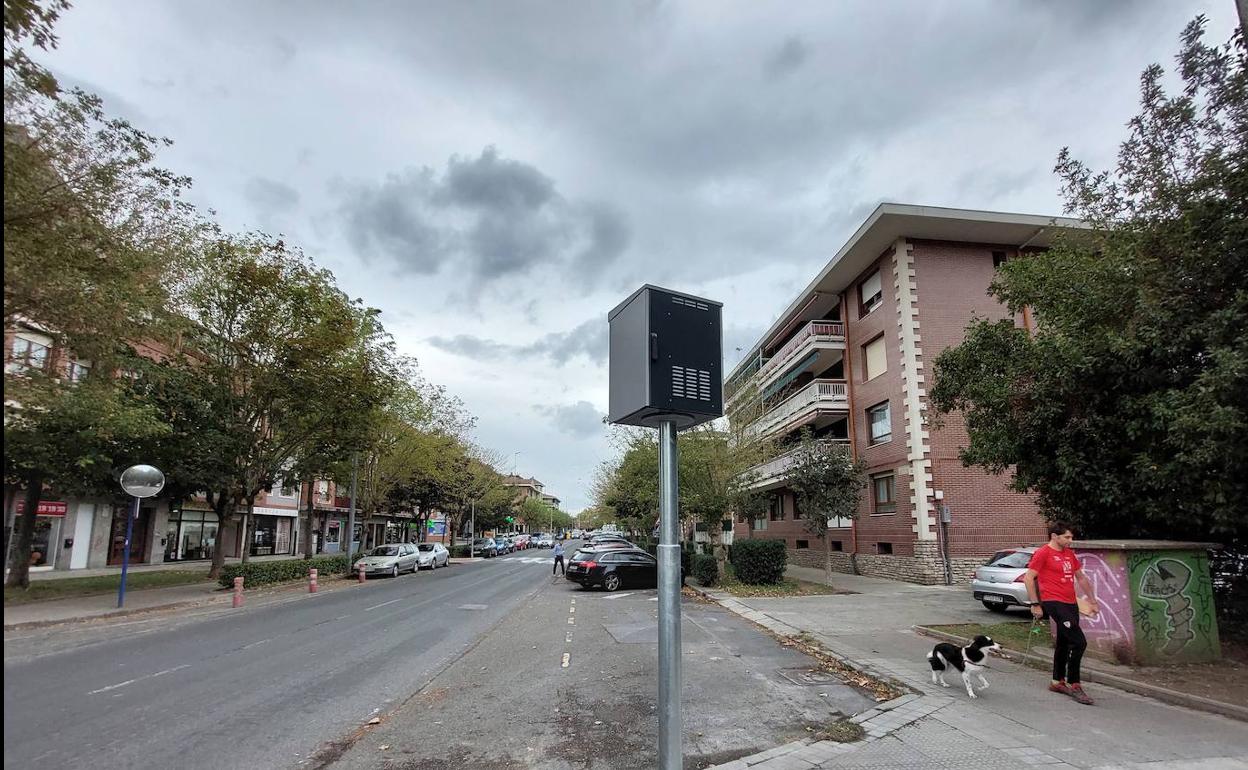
<point>361,573</point>
<point>238,591</point>
<point>312,581</point>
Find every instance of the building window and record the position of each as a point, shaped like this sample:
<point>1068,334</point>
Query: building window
<point>28,353</point>
<point>840,522</point>
<point>884,492</point>
<point>998,259</point>
<point>870,293</point>
<point>874,358</point>
<point>797,511</point>
<point>775,509</point>
<point>881,423</point>
<point>802,544</point>
<point>760,523</point>
<point>884,549</point>
<point>78,370</point>
<point>837,545</point>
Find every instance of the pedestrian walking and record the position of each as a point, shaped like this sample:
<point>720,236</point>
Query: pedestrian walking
<point>558,559</point>
<point>1050,579</point>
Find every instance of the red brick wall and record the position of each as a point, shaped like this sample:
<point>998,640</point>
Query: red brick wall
<point>952,282</point>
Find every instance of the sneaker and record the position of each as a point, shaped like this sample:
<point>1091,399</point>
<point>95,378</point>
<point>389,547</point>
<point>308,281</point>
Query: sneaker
<point>1079,695</point>
<point>1060,687</point>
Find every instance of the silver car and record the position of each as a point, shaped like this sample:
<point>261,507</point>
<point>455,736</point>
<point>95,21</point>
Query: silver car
<point>389,560</point>
<point>432,555</point>
<point>999,583</point>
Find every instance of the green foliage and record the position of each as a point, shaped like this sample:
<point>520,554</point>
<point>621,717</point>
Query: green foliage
<point>461,551</point>
<point>759,561</point>
<point>1125,411</point>
<point>827,482</point>
<point>705,569</point>
<point>258,573</point>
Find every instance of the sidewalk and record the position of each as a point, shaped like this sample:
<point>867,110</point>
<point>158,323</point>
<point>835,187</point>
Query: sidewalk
<point>148,600</point>
<point>1015,723</point>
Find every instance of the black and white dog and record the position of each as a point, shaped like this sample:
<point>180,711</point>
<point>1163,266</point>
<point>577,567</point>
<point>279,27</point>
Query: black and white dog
<point>971,659</point>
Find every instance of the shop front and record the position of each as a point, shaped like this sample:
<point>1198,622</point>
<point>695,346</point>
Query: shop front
<point>191,534</point>
<point>273,532</point>
<point>138,538</point>
<point>46,538</point>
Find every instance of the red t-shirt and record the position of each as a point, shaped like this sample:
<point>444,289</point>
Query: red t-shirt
<point>1055,572</point>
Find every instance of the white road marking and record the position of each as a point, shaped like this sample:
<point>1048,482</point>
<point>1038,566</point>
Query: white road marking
<point>619,596</point>
<point>569,639</point>
<point>567,657</point>
<point>571,621</point>
<point>473,606</point>
<point>139,679</point>
<point>383,604</point>
<point>572,609</point>
<point>655,599</point>
<point>255,644</point>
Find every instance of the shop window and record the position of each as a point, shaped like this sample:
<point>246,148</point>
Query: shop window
<point>874,358</point>
<point>884,549</point>
<point>191,535</point>
<point>884,492</point>
<point>880,422</point>
<point>803,544</point>
<point>870,293</point>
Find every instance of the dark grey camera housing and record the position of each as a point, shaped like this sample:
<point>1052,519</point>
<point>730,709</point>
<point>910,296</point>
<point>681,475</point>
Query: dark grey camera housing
<point>666,359</point>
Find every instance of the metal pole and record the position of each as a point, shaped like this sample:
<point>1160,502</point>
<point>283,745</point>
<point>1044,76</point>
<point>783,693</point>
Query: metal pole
<point>355,470</point>
<point>669,601</point>
<point>11,520</point>
<point>472,535</point>
<point>125,554</point>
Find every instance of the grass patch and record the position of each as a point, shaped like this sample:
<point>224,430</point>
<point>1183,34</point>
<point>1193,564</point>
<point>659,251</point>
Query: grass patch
<point>67,588</point>
<point>841,731</point>
<point>786,587</point>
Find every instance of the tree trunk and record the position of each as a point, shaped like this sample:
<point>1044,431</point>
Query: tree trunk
<point>827,556</point>
<point>225,515</point>
<point>24,526</point>
<point>248,523</point>
<point>308,547</point>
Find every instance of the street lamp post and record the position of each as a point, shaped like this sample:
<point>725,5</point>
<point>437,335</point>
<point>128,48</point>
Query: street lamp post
<point>139,481</point>
<point>369,314</point>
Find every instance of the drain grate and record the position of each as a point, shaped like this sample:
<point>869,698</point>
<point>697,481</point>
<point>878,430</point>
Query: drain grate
<point>808,677</point>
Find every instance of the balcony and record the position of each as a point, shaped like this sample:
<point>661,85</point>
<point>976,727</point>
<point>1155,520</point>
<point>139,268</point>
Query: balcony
<point>772,473</point>
<point>818,396</point>
<point>816,335</point>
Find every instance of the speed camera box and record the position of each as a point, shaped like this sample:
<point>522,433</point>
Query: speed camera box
<point>666,354</point>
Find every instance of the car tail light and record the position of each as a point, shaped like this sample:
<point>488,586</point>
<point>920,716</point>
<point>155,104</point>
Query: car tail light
<point>589,564</point>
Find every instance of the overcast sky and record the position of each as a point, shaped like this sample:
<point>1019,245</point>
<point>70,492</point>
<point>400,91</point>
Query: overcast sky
<point>496,176</point>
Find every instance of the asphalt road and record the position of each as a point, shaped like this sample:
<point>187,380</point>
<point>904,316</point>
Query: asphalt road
<point>261,686</point>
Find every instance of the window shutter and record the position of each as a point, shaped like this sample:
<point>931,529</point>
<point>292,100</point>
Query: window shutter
<point>876,358</point>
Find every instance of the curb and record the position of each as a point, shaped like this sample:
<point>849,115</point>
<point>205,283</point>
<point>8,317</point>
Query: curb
<point>1164,694</point>
<point>123,613</point>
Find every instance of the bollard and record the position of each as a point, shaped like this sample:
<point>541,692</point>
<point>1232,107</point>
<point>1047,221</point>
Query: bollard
<point>361,573</point>
<point>312,581</point>
<point>238,591</point>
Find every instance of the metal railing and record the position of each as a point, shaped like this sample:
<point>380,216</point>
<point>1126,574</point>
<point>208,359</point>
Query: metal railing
<point>825,331</point>
<point>777,467</point>
<point>828,393</point>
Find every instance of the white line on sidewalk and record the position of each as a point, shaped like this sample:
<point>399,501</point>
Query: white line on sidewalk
<point>139,679</point>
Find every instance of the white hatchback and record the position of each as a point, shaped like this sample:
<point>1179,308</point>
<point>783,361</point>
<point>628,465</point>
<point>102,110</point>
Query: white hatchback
<point>432,555</point>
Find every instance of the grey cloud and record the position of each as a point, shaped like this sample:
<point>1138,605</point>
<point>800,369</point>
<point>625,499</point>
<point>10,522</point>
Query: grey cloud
<point>488,217</point>
<point>270,196</point>
<point>790,56</point>
<point>589,339</point>
<point>580,420</point>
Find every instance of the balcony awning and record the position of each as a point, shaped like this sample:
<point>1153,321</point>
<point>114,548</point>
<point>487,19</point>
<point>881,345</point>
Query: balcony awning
<point>793,374</point>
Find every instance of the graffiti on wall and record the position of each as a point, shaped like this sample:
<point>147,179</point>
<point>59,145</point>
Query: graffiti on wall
<point>1112,630</point>
<point>1173,613</point>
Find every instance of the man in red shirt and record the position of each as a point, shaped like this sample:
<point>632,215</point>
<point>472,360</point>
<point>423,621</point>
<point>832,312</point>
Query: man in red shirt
<point>1050,580</point>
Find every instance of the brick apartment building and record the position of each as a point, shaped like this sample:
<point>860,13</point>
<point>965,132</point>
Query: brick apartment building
<point>526,488</point>
<point>850,358</point>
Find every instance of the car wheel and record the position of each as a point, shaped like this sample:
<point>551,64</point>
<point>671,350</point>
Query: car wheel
<point>394,571</point>
<point>993,607</point>
<point>611,582</point>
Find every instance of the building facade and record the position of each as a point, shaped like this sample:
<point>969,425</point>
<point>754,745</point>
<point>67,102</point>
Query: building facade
<point>850,360</point>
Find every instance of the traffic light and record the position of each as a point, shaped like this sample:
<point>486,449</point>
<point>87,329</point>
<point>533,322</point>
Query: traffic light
<point>510,519</point>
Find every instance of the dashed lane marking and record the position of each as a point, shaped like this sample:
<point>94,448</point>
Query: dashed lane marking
<point>383,604</point>
<point>569,639</point>
<point>139,679</point>
<point>571,621</point>
<point>567,657</point>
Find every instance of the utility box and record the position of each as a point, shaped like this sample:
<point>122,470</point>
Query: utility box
<point>666,359</point>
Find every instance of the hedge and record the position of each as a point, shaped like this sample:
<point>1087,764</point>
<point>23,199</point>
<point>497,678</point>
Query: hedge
<point>759,562</point>
<point>460,551</point>
<point>258,573</point>
<point>705,569</point>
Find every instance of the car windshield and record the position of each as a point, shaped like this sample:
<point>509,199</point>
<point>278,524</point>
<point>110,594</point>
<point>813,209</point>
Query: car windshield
<point>1017,559</point>
<point>425,546</point>
<point>385,550</point>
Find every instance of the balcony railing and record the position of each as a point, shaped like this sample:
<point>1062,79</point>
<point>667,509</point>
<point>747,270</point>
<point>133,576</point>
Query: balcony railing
<point>815,331</point>
<point>819,394</point>
<point>777,469</point>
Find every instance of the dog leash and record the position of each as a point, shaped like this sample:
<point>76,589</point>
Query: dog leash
<point>1031,635</point>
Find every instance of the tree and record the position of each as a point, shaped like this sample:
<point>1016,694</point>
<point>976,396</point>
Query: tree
<point>1125,410</point>
<point>826,482</point>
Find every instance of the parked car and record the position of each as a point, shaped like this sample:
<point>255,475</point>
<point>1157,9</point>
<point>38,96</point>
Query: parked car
<point>389,560</point>
<point>600,539</point>
<point>432,555</point>
<point>614,568</point>
<point>999,583</point>
<point>504,545</point>
<point>484,546</point>
<point>545,541</point>
<point>521,541</point>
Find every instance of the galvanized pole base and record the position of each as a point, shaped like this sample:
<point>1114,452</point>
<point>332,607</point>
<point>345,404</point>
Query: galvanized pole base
<point>669,601</point>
